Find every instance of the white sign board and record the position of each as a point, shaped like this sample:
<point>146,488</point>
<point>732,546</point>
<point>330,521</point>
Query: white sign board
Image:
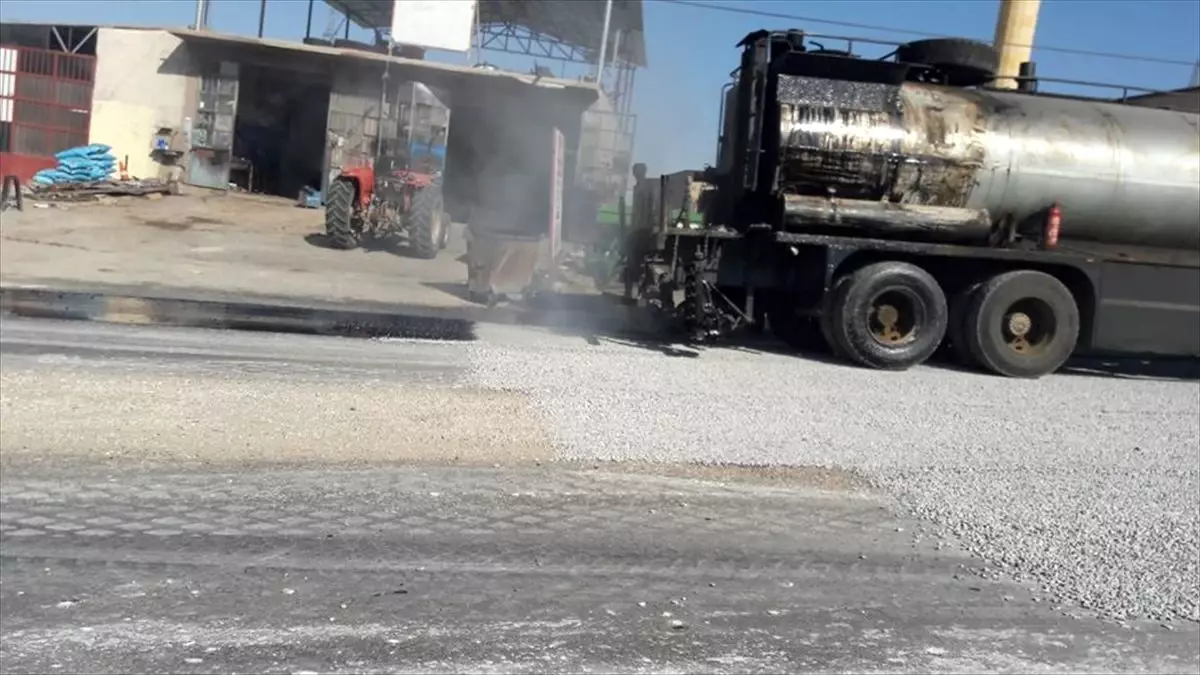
<point>434,24</point>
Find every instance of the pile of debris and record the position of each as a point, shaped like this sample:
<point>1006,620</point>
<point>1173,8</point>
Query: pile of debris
<point>78,192</point>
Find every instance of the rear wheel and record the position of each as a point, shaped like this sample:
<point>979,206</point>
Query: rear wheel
<point>340,225</point>
<point>427,223</point>
<point>889,315</point>
<point>956,326</point>
<point>1022,324</point>
<point>833,300</point>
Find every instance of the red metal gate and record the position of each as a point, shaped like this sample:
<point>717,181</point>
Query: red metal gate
<point>45,106</point>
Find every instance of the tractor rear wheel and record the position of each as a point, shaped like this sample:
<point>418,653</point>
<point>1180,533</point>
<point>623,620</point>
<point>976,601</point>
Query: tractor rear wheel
<point>339,215</point>
<point>427,223</point>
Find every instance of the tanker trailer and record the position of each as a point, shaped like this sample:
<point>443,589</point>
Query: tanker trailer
<point>983,159</point>
<point>888,207</point>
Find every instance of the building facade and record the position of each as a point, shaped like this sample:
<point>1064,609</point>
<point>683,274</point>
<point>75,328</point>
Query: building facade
<point>264,115</point>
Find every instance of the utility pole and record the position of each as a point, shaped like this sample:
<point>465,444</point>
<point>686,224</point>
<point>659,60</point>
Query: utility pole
<point>604,42</point>
<point>262,16</point>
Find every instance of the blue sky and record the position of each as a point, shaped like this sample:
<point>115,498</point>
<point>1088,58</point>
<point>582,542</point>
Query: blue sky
<point>691,50</point>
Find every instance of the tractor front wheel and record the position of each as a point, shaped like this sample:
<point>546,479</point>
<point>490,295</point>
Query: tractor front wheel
<point>427,223</point>
<point>340,227</point>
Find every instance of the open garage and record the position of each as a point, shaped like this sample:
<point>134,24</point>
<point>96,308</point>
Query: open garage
<point>279,130</point>
<point>499,140</point>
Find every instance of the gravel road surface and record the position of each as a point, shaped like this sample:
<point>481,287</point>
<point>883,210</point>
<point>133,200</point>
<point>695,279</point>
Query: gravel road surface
<point>1037,510</point>
<point>1088,485</point>
<point>477,570</point>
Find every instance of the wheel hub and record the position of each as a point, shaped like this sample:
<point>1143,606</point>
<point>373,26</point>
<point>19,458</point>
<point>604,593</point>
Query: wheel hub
<point>1019,325</point>
<point>889,317</point>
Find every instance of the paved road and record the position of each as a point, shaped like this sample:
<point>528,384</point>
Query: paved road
<point>130,559</point>
<point>201,397</point>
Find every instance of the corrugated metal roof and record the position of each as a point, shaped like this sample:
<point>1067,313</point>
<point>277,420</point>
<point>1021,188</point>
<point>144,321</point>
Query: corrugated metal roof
<point>583,88</point>
<point>587,90</point>
<point>576,22</point>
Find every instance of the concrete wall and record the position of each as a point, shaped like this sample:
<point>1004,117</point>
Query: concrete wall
<point>142,82</point>
<point>353,116</point>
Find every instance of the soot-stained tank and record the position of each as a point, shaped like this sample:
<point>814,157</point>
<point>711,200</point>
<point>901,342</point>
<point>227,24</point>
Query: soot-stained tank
<point>1120,173</point>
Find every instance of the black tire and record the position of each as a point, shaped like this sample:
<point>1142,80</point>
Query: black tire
<point>964,63</point>
<point>426,222</point>
<point>915,333</point>
<point>833,300</point>
<point>1053,324</point>
<point>339,215</point>
<point>956,326</point>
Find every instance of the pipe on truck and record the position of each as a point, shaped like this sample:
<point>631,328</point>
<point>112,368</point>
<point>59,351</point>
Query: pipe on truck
<point>935,222</point>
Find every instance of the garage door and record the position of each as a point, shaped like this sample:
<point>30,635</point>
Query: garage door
<point>45,106</point>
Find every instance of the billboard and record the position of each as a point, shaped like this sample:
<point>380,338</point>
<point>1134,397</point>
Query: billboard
<point>434,24</point>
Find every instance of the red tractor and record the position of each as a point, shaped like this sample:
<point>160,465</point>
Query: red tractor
<point>401,193</point>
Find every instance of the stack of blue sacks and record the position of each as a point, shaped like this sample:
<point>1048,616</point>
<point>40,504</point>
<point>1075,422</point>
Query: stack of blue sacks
<point>83,164</point>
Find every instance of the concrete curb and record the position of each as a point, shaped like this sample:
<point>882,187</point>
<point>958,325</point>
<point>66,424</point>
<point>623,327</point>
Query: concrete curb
<point>287,316</point>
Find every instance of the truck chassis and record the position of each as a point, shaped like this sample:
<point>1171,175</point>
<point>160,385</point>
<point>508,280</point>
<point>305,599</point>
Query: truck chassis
<point>891,304</point>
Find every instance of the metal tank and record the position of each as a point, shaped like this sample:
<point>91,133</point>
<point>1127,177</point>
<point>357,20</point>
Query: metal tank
<point>1120,173</point>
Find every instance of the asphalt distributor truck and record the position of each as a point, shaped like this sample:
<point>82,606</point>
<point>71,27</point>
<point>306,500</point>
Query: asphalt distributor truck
<point>888,207</point>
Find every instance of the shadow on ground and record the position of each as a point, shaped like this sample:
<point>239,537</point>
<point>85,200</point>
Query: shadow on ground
<point>455,289</point>
<point>1147,367</point>
<point>592,318</point>
<point>320,240</point>
<point>394,245</point>
<point>645,333</point>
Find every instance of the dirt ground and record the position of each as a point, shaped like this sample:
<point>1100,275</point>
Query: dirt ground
<point>231,244</point>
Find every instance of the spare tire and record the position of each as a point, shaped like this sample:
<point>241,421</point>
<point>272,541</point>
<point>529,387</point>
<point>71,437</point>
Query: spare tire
<point>963,63</point>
